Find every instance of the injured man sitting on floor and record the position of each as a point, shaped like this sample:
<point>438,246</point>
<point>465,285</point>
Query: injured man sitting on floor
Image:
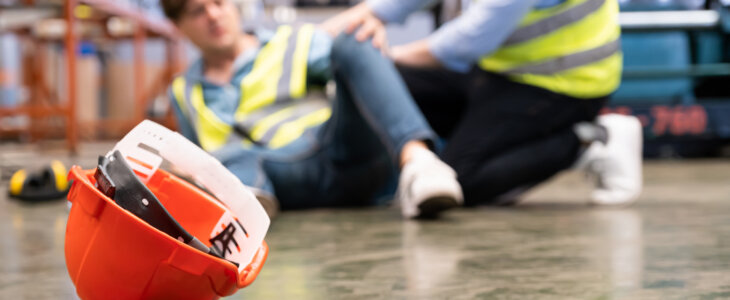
<point>251,100</point>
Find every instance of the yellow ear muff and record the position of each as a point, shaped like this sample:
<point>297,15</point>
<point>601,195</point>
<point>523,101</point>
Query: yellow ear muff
<point>59,171</point>
<point>16,182</point>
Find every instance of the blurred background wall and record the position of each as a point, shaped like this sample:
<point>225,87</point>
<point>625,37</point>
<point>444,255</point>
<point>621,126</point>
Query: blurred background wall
<point>676,65</point>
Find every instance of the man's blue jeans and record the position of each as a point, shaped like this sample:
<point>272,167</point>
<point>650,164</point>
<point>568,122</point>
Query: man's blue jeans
<point>346,160</point>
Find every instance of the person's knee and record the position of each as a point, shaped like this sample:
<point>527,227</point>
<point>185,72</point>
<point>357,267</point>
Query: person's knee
<point>346,50</point>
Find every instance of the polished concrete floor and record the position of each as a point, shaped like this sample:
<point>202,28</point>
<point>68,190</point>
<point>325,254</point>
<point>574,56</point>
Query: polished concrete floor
<point>673,244</point>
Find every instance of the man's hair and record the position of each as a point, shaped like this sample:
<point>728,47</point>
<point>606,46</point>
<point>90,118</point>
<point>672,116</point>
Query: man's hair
<point>173,8</point>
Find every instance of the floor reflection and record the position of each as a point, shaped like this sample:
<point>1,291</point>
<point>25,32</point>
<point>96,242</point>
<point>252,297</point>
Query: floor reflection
<point>31,251</point>
<point>623,244</point>
<point>429,261</point>
<point>672,244</point>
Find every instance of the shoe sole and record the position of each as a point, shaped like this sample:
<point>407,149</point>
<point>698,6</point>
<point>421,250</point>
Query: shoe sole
<point>432,207</point>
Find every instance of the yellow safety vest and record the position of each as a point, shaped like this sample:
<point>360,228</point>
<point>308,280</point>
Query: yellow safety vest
<point>571,49</point>
<point>271,110</point>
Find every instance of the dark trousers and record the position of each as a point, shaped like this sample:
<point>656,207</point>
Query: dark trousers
<point>501,135</point>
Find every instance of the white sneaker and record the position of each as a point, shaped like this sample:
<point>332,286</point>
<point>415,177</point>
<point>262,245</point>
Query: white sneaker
<point>427,186</point>
<point>617,164</point>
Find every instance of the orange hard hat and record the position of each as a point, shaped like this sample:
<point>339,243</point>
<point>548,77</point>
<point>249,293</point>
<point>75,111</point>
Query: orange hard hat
<point>112,253</point>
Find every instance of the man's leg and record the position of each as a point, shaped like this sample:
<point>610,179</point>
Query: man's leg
<point>505,176</point>
<point>513,135</point>
<point>353,164</point>
<point>378,92</point>
<point>440,94</point>
<point>246,165</point>
<point>370,83</point>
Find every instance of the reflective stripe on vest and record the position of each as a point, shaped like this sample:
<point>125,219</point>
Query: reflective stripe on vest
<point>572,49</point>
<point>269,109</point>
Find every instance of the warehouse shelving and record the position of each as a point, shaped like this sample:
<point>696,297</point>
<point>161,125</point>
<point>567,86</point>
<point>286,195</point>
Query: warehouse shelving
<point>79,18</point>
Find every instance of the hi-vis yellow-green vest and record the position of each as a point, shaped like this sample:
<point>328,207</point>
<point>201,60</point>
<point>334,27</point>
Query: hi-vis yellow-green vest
<point>271,110</point>
<point>571,49</point>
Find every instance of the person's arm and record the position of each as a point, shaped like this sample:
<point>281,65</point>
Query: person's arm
<point>319,69</point>
<point>369,19</point>
<point>396,11</point>
<point>458,44</point>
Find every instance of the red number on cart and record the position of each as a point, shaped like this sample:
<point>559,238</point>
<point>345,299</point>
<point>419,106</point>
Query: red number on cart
<point>679,120</point>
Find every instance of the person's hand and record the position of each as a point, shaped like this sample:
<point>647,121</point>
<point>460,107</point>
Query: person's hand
<point>368,25</point>
<point>359,18</point>
<point>416,54</point>
<point>398,55</point>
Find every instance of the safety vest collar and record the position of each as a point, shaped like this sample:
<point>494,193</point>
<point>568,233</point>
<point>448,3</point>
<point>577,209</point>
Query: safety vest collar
<point>267,111</point>
<point>194,73</point>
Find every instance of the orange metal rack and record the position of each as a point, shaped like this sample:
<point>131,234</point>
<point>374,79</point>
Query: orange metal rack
<point>42,103</point>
